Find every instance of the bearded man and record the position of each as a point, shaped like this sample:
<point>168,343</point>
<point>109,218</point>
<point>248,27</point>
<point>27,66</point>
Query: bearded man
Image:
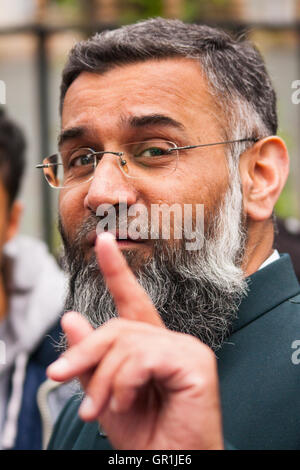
<point>155,113</point>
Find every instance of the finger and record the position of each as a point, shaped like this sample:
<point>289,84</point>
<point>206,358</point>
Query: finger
<point>98,393</point>
<point>85,355</point>
<point>132,379</point>
<point>115,386</point>
<point>130,298</point>
<point>76,328</point>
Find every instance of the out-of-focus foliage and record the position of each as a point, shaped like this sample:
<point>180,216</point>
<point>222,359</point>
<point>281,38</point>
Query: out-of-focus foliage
<point>287,204</point>
<point>65,2</point>
<point>133,10</point>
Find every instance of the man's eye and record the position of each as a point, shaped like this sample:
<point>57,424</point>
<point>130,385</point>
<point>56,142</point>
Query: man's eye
<point>153,152</point>
<point>81,160</point>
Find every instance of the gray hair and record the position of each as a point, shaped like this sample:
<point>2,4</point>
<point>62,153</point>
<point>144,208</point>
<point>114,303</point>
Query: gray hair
<point>233,67</point>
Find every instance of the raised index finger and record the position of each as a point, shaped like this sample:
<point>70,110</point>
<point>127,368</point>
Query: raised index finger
<point>130,298</point>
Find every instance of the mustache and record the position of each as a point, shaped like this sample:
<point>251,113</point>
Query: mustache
<point>135,223</point>
<point>116,217</point>
<point>73,249</point>
<point>195,292</point>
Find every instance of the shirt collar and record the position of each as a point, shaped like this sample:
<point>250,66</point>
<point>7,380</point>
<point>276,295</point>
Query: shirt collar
<point>273,257</point>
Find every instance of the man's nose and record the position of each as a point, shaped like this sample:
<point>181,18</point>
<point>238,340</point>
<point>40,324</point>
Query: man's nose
<point>109,185</point>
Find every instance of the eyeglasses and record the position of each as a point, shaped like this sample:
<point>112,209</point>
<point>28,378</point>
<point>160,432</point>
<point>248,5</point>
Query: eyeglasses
<point>154,158</point>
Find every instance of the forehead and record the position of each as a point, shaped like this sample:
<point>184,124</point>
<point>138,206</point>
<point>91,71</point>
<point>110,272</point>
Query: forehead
<point>176,87</point>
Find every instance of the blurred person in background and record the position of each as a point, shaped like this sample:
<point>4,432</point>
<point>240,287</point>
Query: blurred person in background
<point>31,301</point>
<point>166,112</point>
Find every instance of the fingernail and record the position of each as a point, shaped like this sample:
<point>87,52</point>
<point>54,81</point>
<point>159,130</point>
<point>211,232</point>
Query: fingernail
<point>87,407</point>
<point>106,236</point>
<point>60,366</point>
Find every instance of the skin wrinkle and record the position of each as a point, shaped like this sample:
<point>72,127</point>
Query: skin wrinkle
<point>179,314</point>
<point>198,293</point>
<point>92,299</point>
<point>165,92</point>
<point>88,133</point>
<point>107,129</point>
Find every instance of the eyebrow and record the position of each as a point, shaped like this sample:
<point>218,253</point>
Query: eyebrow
<point>136,122</point>
<point>152,120</point>
<point>69,134</point>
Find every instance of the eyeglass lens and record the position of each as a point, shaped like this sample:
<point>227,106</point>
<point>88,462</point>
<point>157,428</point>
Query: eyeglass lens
<point>138,160</point>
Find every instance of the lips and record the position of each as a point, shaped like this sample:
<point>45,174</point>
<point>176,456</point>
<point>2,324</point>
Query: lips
<point>92,237</point>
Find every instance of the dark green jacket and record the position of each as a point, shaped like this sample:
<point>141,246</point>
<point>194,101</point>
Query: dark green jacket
<point>260,384</point>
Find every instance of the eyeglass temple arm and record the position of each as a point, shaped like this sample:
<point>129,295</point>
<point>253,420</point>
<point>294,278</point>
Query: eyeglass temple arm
<point>47,165</point>
<point>253,139</point>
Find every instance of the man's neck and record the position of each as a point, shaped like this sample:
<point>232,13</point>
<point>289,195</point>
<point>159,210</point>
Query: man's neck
<point>260,246</point>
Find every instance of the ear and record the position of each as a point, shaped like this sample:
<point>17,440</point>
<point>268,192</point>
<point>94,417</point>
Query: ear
<point>14,220</point>
<point>264,170</point>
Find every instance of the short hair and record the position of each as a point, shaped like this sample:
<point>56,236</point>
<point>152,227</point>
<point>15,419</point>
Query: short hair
<point>12,155</point>
<point>234,68</point>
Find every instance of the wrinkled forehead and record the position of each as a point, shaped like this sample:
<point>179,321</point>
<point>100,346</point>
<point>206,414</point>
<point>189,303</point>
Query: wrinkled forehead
<point>174,87</point>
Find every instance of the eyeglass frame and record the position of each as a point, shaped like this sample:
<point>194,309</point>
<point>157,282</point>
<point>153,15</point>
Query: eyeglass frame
<point>123,162</point>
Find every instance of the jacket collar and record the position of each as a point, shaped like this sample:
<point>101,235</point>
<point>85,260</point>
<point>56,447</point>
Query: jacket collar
<point>268,288</point>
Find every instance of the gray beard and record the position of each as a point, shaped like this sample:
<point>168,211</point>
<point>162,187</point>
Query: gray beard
<point>195,292</point>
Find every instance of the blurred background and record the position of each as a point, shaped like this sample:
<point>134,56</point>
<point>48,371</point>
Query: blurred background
<point>36,35</point>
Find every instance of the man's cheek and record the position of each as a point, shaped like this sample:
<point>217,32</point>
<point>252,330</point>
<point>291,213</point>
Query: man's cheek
<point>71,211</point>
